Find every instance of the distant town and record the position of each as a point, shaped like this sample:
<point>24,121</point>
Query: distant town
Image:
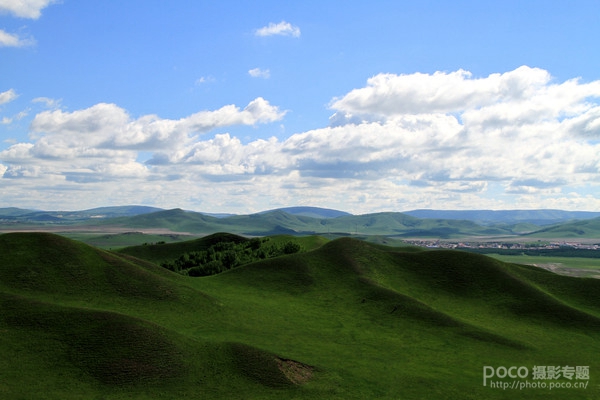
<point>445,244</point>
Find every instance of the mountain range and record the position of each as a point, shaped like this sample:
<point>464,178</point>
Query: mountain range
<point>315,220</point>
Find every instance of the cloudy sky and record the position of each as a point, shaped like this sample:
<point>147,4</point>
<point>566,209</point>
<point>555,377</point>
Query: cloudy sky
<point>239,107</point>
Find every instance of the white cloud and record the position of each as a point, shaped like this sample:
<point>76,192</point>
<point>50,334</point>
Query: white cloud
<point>204,79</point>
<point>48,102</point>
<point>101,143</point>
<point>13,40</point>
<point>260,73</point>
<point>283,28</point>
<point>516,139</point>
<point>24,8</point>
<point>8,96</point>
<point>388,95</point>
<point>109,126</point>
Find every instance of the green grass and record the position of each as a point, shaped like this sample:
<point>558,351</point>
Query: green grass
<point>160,253</point>
<point>572,262</point>
<point>571,266</point>
<point>589,228</point>
<point>113,241</point>
<point>279,222</point>
<point>345,319</point>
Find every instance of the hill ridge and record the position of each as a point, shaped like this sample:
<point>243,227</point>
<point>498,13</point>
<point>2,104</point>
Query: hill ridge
<point>360,320</point>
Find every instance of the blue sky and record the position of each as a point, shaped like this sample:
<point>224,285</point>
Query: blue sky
<point>239,107</point>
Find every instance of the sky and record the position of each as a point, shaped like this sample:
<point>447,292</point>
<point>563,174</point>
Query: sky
<point>240,107</point>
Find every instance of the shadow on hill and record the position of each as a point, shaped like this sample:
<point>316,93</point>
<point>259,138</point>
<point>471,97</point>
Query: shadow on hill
<point>485,279</point>
<point>114,349</point>
<point>48,263</point>
<point>455,274</point>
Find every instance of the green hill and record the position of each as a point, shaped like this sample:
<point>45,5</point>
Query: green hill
<point>345,319</point>
<point>493,217</point>
<point>589,229</point>
<point>163,252</point>
<point>280,222</point>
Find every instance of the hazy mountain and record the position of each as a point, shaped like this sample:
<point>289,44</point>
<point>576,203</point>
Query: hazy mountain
<point>314,212</point>
<point>281,222</point>
<point>10,212</point>
<point>310,220</point>
<point>491,217</point>
<point>22,215</point>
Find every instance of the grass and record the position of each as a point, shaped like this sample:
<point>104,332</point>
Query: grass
<point>119,240</point>
<point>571,266</point>
<point>345,319</point>
<point>279,222</point>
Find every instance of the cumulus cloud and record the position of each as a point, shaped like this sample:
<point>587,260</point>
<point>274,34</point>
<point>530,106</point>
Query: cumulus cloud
<point>389,94</point>
<point>103,143</point>
<point>515,139</point>
<point>259,73</point>
<point>283,29</point>
<point>519,129</point>
<point>24,8</point>
<point>110,126</point>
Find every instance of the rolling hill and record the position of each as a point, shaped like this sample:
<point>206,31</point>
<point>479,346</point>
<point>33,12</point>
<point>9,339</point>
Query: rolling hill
<point>589,228</point>
<point>345,320</point>
<point>507,217</point>
<point>310,220</point>
<point>314,212</point>
<point>281,222</point>
<point>18,215</point>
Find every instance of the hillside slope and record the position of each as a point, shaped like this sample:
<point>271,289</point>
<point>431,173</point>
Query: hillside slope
<point>346,320</point>
<point>281,222</point>
<point>490,217</point>
<point>587,229</point>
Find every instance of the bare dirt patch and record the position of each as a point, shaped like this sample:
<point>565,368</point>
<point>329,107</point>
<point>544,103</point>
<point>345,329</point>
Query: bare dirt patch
<point>295,371</point>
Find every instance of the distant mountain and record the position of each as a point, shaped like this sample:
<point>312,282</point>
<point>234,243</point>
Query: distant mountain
<point>35,216</point>
<point>314,212</point>
<point>281,222</point>
<point>119,211</point>
<point>491,217</point>
<point>219,215</point>
<point>13,212</point>
<point>314,220</point>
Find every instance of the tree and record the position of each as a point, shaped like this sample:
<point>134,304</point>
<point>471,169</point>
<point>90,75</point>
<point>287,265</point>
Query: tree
<point>291,247</point>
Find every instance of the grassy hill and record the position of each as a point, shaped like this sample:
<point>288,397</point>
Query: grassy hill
<point>344,320</point>
<point>17,215</point>
<point>493,217</point>
<point>302,221</point>
<point>315,212</point>
<point>280,222</point>
<point>589,229</point>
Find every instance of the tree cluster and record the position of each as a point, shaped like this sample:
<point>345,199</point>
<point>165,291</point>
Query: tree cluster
<point>226,255</point>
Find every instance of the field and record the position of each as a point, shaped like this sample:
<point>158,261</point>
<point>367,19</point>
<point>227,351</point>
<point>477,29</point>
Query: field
<point>342,319</point>
<point>574,266</point>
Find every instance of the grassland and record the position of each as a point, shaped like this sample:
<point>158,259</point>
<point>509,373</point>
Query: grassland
<point>345,319</point>
<point>572,266</point>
